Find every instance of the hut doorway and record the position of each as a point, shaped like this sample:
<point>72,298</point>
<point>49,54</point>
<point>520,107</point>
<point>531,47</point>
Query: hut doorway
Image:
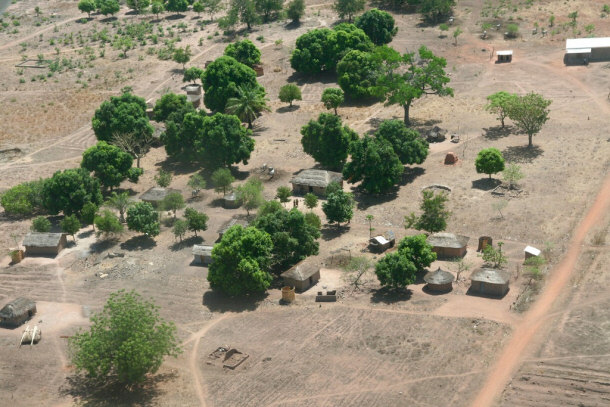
<point>311,189</point>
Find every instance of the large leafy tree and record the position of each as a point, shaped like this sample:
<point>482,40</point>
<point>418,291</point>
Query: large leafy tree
<point>109,164</point>
<point>106,7</point>
<point>212,7</point>
<point>120,202</point>
<point>293,238</point>
<point>182,55</point>
<point>248,104</point>
<point>405,78</point>
<point>143,218</point>
<point>69,190</point>
<point>327,140</point>
<point>400,268</point>
<point>241,261</point>
<point>500,103</point>
<point>121,114</point>
<point>295,10</point>
<point>222,179</point>
<point>70,225</point>
<point>375,163</point>
<point>192,74</point>
<point>222,78</point>
<point>289,93</point>
<point>172,107</point>
<point>127,340</point>
<point>138,5</point>
<point>176,6</point>
<point>195,221</point>
<point>529,113</point>
<point>378,25</point>
<point>24,199</point>
<point>107,224</point>
<point>250,194</point>
<point>410,147</point>
<point>357,74</point>
<point>87,6</point>
<point>244,11</point>
<point>245,52</point>
<point>489,161</point>
<point>269,9</point>
<point>417,250</point>
<point>40,224</point>
<point>348,8</point>
<point>332,98</point>
<point>172,202</point>
<point>435,10</point>
<point>434,214</point>
<point>339,207</point>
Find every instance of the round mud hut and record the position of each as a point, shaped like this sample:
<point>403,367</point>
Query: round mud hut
<point>439,281</point>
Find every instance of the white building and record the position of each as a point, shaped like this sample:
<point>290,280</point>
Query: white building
<point>584,50</point>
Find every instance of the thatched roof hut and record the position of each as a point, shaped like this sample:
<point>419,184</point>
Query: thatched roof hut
<point>439,280</point>
<point>202,254</point>
<point>302,276</point>
<point>235,220</point>
<point>448,244</point>
<point>314,181</point>
<point>156,194</point>
<point>44,244</point>
<point>17,311</point>
<point>490,282</point>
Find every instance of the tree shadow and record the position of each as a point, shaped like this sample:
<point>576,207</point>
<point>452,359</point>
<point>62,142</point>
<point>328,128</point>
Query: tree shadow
<point>365,200</point>
<point>186,243</point>
<point>330,232</point>
<point>175,17</point>
<point>387,295</point>
<point>423,126</point>
<point>238,174</point>
<point>109,19</point>
<point>85,234</point>
<point>497,132</point>
<point>84,20</point>
<point>179,167</point>
<point>486,184</point>
<point>102,245</point>
<point>286,109</point>
<point>522,154</point>
<point>359,102</point>
<point>140,242</point>
<point>293,25</point>
<point>89,392</point>
<point>257,129</point>
<point>411,174</point>
<point>436,293</point>
<point>326,78</point>
<point>217,301</point>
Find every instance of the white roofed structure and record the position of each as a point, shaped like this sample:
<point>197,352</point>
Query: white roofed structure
<point>583,50</point>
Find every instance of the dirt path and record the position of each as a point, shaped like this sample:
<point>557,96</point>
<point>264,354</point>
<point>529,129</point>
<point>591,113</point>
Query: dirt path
<point>511,357</point>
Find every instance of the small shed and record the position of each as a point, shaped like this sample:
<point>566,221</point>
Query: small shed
<point>17,312</point>
<point>202,254</point>
<point>236,220</point>
<point>530,251</point>
<point>156,194</point>
<point>302,276</point>
<point>504,56</point>
<point>447,245</point>
<point>230,201</point>
<point>383,242</point>
<point>490,282</point>
<point>314,181</point>
<point>439,280</point>
<point>44,244</point>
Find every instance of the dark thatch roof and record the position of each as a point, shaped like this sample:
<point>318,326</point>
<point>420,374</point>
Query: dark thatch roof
<point>316,178</point>
<point>448,240</point>
<point>491,276</point>
<point>236,220</point>
<point>439,277</point>
<point>200,250</point>
<point>156,194</point>
<point>301,272</point>
<point>36,239</point>
<point>17,307</point>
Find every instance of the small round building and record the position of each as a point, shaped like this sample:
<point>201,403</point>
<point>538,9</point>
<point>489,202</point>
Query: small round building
<point>439,280</point>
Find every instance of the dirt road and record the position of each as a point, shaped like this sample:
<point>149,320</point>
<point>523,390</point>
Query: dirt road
<point>512,355</point>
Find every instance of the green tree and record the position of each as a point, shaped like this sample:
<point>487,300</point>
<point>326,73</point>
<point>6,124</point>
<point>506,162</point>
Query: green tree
<point>295,10</point>
<point>163,178</point>
<point>378,25</point>
<point>180,228</point>
<point>120,202</point>
<point>435,10</point>
<point>530,113</point>
<point>212,7</point>
<point>198,8</point>
<point>172,107</point>
<point>369,219</point>
<point>107,224</point>
<point>241,261</point>
<point>268,207</point>
<point>489,161</point>
<point>109,164</point>
<point>196,221</point>
<point>333,187</point>
<point>157,7</point>
<point>123,43</point>
<point>339,207</point>
<point>270,9</point>
<point>222,179</point>
<point>311,200</point>
<point>417,250</point>
<point>138,5</point>
<point>251,194</point>
<point>24,199</point>
<point>197,182</point>
<point>407,78</point>
<point>348,8</point>
<point>410,147</point>
<point>500,103</point>
<point>289,93</point>
<point>70,225</point>
<point>434,215</point>
<point>245,11</point>
<point>313,220</point>
<point>456,33</point>
<point>357,74</point>
<point>245,52</point>
<point>176,6</point>
<point>375,163</point>
<point>283,194</point>
<point>108,6</point>
<point>512,174</point>
<point>69,190</point>
<point>248,104</point>
<point>327,141</point>
<point>494,257</point>
<point>395,270</point>
<point>443,27</point>
<point>182,55</point>
<point>121,115</point>
<point>88,214</point>
<point>332,98</point>
<point>192,74</point>
<point>41,224</point>
<point>222,78</point>
<point>172,202</point>
<point>143,218</point>
<point>127,340</point>
<point>87,6</point>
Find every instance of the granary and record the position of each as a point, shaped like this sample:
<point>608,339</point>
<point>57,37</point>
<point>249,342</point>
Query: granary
<point>530,251</point>
<point>439,280</point>
<point>489,282</point>
<point>155,195</point>
<point>383,242</point>
<point>44,244</point>
<point>193,94</point>
<point>302,276</point>
<point>504,56</point>
<point>582,50</point>
<point>314,181</point>
<point>202,254</point>
<point>236,220</point>
<point>447,245</point>
<point>17,312</point>
<point>230,201</point>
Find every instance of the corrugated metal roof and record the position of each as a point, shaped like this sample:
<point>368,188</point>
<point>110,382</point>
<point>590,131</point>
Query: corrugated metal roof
<point>573,43</point>
<point>506,52</point>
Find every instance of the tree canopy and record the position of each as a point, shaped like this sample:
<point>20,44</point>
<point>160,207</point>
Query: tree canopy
<point>332,98</point>
<point>41,224</point>
<point>87,6</point>
<point>176,6</point>
<point>500,103</point>
<point>143,218</point>
<point>378,25</point>
<point>435,10</point>
<point>295,10</point>
<point>400,268</point>
<point>489,161</point>
<point>529,113</point>
<point>410,147</point>
<point>138,5</point>
<point>250,194</point>
<point>434,214</point>
<point>339,207</point>
<point>172,202</point>
<point>244,51</point>
<point>110,164</point>
<point>70,225</point>
<point>327,141</point>
<point>357,74</point>
<point>222,78</point>
<point>348,8</point>
<point>106,7</point>
<point>241,261</point>
<point>121,114</point>
<point>269,9</point>
<point>195,221</point>
<point>23,199</point>
<point>69,190</point>
<point>192,74</point>
<point>172,107</point>
<point>222,179</point>
<point>107,223</point>
<point>248,104</point>
<point>289,93</point>
<point>127,340</point>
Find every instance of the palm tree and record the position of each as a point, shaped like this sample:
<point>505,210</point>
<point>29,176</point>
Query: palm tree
<point>120,202</point>
<point>248,104</point>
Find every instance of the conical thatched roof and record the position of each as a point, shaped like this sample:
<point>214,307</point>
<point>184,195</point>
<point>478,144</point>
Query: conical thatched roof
<point>17,307</point>
<point>439,277</point>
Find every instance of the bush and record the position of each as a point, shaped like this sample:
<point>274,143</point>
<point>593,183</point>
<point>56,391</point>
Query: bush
<point>289,93</point>
<point>23,199</point>
<point>378,25</point>
<point>245,52</point>
<point>41,224</point>
<point>489,161</point>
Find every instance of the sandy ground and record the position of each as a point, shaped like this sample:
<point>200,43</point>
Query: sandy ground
<point>439,349</point>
